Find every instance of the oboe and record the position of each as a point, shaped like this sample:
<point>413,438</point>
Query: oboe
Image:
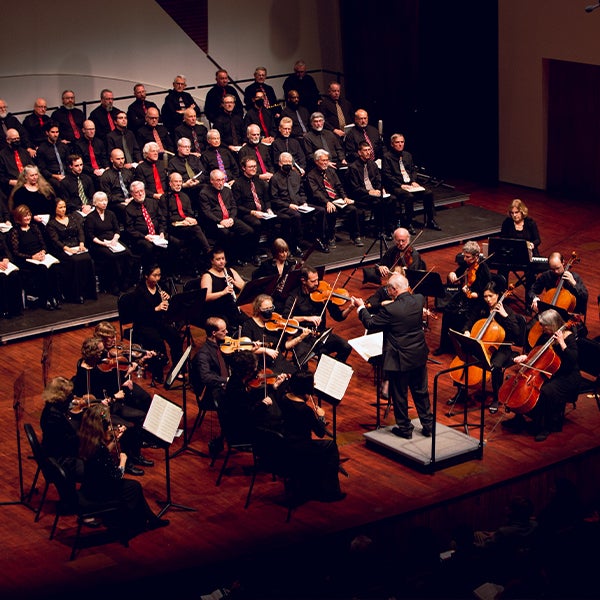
<point>229,280</point>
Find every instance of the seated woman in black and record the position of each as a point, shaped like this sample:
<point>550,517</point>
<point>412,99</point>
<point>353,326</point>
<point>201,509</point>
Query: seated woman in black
<point>151,325</point>
<point>33,191</point>
<point>67,242</point>
<point>11,288</point>
<point>27,244</point>
<point>314,462</point>
<point>104,466</point>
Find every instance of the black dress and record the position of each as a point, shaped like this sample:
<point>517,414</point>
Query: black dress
<point>11,302</point>
<point>76,270</point>
<point>225,306</point>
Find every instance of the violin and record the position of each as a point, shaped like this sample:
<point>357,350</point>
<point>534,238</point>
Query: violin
<point>489,332</point>
<point>325,293</point>
<point>288,325</point>
<point>231,345</point>
<point>119,362</point>
<point>557,297</point>
<point>135,351</point>
<point>78,405</point>
<point>265,377</point>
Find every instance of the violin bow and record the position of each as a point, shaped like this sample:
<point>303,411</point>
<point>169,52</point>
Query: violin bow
<point>286,323</point>
<point>423,278</point>
<point>329,297</point>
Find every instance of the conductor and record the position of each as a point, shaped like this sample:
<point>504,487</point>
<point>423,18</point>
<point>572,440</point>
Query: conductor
<point>404,353</point>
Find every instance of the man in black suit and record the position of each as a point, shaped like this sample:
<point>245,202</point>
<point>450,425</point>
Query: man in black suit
<point>362,132</point>
<point>136,111</point>
<point>124,139</point>
<point>93,151</point>
<point>214,97</point>
<point>13,157</point>
<point>104,115</point>
<point>337,110</point>
<point>404,353</point>
<point>69,118</point>
<point>153,131</point>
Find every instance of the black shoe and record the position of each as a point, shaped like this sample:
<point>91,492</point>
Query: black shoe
<point>80,300</point>
<point>331,243</point>
<point>407,435</point>
<point>49,305</point>
<point>357,241</point>
<point>157,523</point>
<point>158,379</point>
<point>516,424</point>
<point>131,469</point>
<point>433,225</point>
<point>426,432</point>
<point>321,247</point>
<point>439,351</point>
<point>542,436</point>
<point>411,229</point>
<point>142,461</point>
<point>493,408</point>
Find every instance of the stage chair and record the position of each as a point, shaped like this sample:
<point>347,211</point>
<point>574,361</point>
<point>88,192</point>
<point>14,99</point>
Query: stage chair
<point>40,459</point>
<point>589,365</point>
<point>126,312</point>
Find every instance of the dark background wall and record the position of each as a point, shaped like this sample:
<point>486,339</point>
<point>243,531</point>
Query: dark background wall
<point>428,69</point>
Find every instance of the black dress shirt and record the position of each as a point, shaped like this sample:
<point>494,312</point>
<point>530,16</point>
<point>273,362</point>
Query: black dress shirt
<point>145,172</point>
<point>176,101</point>
<point>209,159</point>
<point>100,117</point>
<point>231,128</point>
<point>214,98</point>
<point>118,138</point>
<point>69,187</point>
<point>66,132</point>
<point>47,161</point>
<point>145,134</point>
<point>136,113</point>
<point>185,131</point>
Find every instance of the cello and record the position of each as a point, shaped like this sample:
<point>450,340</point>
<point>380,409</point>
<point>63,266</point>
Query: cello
<point>557,297</point>
<point>521,393</point>
<point>491,334</point>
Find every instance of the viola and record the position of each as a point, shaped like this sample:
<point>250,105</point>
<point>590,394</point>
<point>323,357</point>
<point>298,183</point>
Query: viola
<point>325,293</point>
<point>231,345</point>
<point>557,297</point>
<point>277,322</point>
<point>521,393</point>
<point>491,334</point>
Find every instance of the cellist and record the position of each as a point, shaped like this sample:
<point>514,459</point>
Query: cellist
<point>471,276</point>
<point>549,280</point>
<point>548,413</point>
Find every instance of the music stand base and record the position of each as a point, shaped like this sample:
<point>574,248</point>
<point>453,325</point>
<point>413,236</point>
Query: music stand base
<point>169,505</point>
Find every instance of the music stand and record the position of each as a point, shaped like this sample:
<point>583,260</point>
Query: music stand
<point>473,354</point>
<point>311,352</point>
<point>510,254</point>
<point>543,306</point>
<point>254,287</point>
<point>186,305</point>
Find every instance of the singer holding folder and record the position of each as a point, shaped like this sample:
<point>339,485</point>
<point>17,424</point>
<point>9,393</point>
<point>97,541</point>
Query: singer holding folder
<point>404,353</point>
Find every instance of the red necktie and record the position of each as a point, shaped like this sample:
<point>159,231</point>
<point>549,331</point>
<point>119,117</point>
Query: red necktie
<point>179,206</point>
<point>371,152</point>
<point>157,183</point>
<point>223,207</point>
<point>328,187</point>
<point>260,160</point>
<point>73,126</point>
<point>18,161</point>
<point>262,122</point>
<point>144,107</point>
<point>111,123</point>
<point>255,195</point>
<point>158,140</point>
<point>41,122</point>
<point>149,223</point>
<point>93,160</point>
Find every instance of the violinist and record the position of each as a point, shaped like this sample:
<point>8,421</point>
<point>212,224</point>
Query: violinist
<point>548,413</point>
<point>550,279</point>
<point>273,343</point>
<point>222,285</point>
<point>501,356</point>
<point>151,322</point>
<point>471,277</point>
<point>90,378</point>
<point>401,254</point>
<point>314,314</point>
<point>103,472</point>
<point>280,265</point>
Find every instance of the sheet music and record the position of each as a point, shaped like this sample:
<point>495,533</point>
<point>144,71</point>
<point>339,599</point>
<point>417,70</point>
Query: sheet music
<point>163,418</point>
<point>369,345</point>
<point>48,261</point>
<point>332,377</point>
<point>9,269</point>
<point>116,247</point>
<point>305,208</point>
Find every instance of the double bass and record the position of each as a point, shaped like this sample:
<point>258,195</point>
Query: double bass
<point>521,393</point>
<point>557,296</point>
<point>491,334</point>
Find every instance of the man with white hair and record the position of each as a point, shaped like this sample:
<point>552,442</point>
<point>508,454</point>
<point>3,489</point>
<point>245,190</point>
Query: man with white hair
<point>152,172</point>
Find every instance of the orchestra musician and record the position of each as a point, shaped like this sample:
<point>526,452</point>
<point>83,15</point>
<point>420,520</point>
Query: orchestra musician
<point>548,413</point>
<point>273,339</point>
<point>471,276</point>
<point>304,309</point>
<point>151,322</point>
<point>404,354</point>
<point>279,265</point>
<point>222,286</point>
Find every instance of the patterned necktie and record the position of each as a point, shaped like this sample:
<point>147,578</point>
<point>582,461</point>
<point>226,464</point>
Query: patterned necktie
<point>328,187</point>
<point>261,162</point>
<point>81,192</point>
<point>195,141</point>
<point>158,140</point>
<point>220,163</point>
<point>189,169</point>
<point>123,186</point>
<point>223,207</point>
<point>74,127</point>
<point>179,206</point>
<point>18,161</point>
<point>93,160</point>
<point>405,175</point>
<point>149,223</point>
<point>255,196</point>
<point>367,180</point>
<point>340,115</point>
<point>61,167</point>
<point>111,123</point>
<point>371,151</point>
<point>157,182</point>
